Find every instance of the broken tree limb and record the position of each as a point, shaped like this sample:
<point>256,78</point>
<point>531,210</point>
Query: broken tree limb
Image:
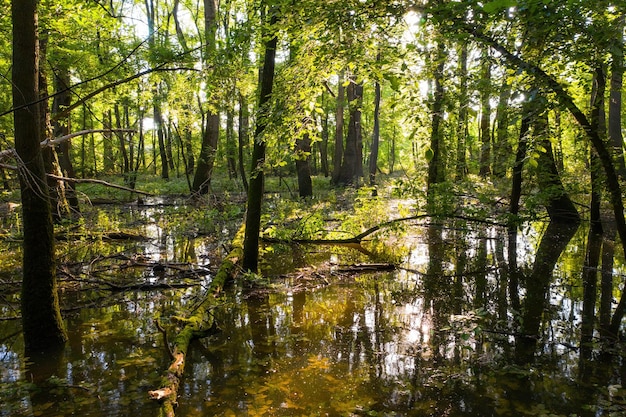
<point>353,241</point>
<point>200,324</point>
<point>101,182</point>
<point>55,141</point>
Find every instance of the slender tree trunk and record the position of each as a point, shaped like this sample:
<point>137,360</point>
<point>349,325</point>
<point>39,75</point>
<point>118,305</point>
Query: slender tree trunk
<point>122,141</point>
<point>514,201</point>
<point>160,131</point>
<point>107,143</point>
<point>502,149</point>
<point>242,135</point>
<point>324,146</point>
<point>41,317</point>
<point>231,148</point>
<point>58,201</point>
<point>303,168</point>
<point>485,116</point>
<point>63,99</point>
<point>338,154</point>
<point>435,163</point>
<point>349,172</point>
<point>373,165</point>
<point>255,190</point>
<point>462,123</point>
<point>204,168</point>
<point>615,100</point>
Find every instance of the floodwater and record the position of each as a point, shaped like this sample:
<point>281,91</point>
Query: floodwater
<point>436,337</point>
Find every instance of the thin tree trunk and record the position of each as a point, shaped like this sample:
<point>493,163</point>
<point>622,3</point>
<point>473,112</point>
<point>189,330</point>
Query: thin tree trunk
<point>338,154</point>
<point>204,168</point>
<point>107,143</point>
<point>485,116</point>
<point>349,172</point>
<point>63,99</point>
<point>303,168</point>
<point>373,163</point>
<point>435,163</point>
<point>514,201</point>
<point>242,137</point>
<point>255,191</point>
<point>462,123</point>
<point>41,317</point>
<point>615,100</point>
<point>231,148</point>
<point>502,149</point>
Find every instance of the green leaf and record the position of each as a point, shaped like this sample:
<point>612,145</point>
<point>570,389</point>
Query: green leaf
<point>429,154</point>
<point>498,5</point>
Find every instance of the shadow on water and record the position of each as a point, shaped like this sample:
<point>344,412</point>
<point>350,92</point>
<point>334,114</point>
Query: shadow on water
<point>437,337</point>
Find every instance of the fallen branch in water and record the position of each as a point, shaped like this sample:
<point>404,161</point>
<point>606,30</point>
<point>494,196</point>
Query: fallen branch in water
<point>366,267</point>
<point>200,324</point>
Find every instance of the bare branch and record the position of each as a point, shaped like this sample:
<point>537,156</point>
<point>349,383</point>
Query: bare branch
<point>94,181</point>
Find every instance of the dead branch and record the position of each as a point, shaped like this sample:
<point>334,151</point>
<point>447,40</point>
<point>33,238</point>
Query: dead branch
<point>55,141</point>
<point>101,182</point>
<point>355,268</point>
<point>200,324</point>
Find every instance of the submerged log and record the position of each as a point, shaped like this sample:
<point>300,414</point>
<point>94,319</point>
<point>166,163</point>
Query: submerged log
<point>200,324</point>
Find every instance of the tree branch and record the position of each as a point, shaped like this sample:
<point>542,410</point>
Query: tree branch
<point>101,182</point>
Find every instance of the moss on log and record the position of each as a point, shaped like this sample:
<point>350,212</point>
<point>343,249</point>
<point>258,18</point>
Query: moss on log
<point>199,324</point>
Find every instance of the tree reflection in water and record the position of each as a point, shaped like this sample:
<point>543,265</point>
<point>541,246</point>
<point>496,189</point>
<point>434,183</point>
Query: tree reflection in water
<point>435,338</point>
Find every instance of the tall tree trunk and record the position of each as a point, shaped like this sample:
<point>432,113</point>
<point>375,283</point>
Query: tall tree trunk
<point>501,146</point>
<point>514,200</point>
<point>435,163</point>
<point>303,168</point>
<point>373,165</point>
<point>485,116</point>
<point>338,153</point>
<point>242,136</point>
<point>324,146</point>
<point>58,201</point>
<point>61,100</point>
<point>594,239</point>
<point>615,100</point>
<point>160,130</point>
<point>107,143</point>
<point>41,317</point>
<point>122,140</point>
<point>255,190</point>
<point>349,172</point>
<point>231,148</point>
<point>204,168</point>
<point>462,123</point>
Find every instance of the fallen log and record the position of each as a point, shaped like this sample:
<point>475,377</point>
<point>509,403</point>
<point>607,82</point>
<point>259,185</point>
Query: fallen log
<point>200,324</point>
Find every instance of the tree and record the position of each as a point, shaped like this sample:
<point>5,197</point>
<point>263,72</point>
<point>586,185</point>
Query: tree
<point>41,316</point>
<point>206,160</point>
<point>257,174</point>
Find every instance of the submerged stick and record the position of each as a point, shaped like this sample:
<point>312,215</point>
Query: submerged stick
<point>200,324</point>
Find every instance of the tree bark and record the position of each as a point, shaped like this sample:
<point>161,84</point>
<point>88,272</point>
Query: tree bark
<point>255,190</point>
<point>349,171</point>
<point>63,99</point>
<point>206,160</point>
<point>615,100</point>
<point>435,163</point>
<point>485,116</point>
<point>462,127</point>
<point>373,163</point>
<point>338,153</point>
<point>41,318</point>
<point>303,167</point>
<point>242,137</point>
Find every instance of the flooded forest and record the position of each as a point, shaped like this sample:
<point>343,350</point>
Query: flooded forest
<point>314,208</point>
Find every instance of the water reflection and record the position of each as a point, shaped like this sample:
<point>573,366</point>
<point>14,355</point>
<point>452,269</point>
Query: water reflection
<point>434,338</point>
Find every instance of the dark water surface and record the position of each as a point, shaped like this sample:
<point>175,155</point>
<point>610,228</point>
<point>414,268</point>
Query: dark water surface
<point>434,338</point>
